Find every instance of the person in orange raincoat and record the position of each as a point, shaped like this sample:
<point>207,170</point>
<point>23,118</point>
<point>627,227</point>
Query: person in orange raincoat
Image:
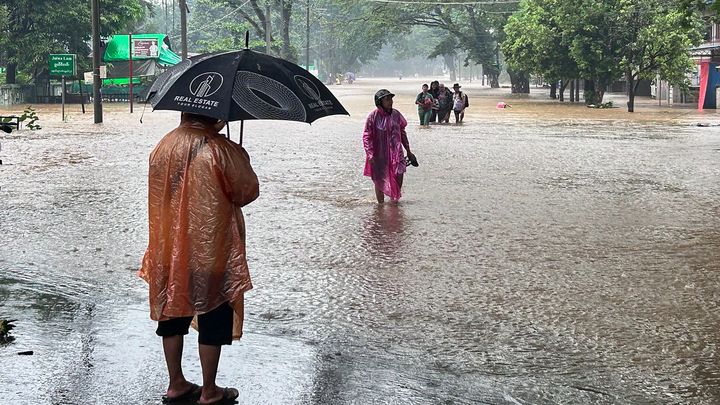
<point>195,262</point>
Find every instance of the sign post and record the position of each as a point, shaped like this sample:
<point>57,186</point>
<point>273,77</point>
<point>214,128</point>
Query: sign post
<point>63,98</point>
<point>82,97</point>
<point>132,50</point>
<point>63,65</point>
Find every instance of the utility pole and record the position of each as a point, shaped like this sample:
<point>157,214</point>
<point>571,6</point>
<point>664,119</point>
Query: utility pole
<point>307,37</point>
<point>97,100</point>
<point>267,29</point>
<point>183,27</point>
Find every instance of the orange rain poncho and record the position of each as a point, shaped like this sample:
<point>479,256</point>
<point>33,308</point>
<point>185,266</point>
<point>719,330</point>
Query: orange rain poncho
<point>195,259</point>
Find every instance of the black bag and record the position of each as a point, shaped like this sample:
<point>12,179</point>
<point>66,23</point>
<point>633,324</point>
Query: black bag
<point>467,101</point>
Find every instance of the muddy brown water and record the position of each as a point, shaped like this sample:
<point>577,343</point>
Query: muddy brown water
<point>543,254</point>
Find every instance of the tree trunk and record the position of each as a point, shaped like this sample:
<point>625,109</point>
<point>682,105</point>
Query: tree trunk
<point>590,93</point>
<point>286,12</point>
<point>450,63</point>
<point>600,88</point>
<point>632,87</point>
<point>11,73</point>
<point>553,90</point>
<point>572,91</point>
<point>577,90</point>
<point>520,83</point>
<point>563,85</point>
<point>494,80</point>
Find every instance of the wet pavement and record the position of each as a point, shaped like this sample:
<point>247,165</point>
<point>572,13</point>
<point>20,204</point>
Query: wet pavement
<point>543,254</point>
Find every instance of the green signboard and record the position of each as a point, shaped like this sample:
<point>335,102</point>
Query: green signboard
<point>63,65</point>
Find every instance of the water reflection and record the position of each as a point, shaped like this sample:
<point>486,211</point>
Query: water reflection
<point>383,230</point>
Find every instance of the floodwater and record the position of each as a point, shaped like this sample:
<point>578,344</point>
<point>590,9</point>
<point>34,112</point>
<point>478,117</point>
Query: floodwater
<point>542,254</point>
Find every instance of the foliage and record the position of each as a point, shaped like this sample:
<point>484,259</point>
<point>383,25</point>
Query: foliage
<point>33,29</point>
<point>214,26</point>
<point>603,40</point>
<point>658,38</point>
<point>609,104</point>
<point>30,115</point>
<point>476,28</point>
<point>252,15</point>
<point>6,325</point>
<point>534,42</point>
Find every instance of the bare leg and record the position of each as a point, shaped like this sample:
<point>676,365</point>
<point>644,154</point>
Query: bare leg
<point>209,359</point>
<point>173,348</point>
<point>399,179</point>
<point>462,115</point>
<point>379,192</point>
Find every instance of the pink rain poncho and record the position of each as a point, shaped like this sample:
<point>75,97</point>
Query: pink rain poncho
<point>383,140</point>
<point>195,260</point>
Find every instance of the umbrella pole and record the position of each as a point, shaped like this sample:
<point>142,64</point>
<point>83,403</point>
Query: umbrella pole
<point>227,127</point>
<point>242,124</point>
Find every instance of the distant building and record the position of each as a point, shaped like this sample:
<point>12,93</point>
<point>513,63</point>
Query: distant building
<point>706,78</point>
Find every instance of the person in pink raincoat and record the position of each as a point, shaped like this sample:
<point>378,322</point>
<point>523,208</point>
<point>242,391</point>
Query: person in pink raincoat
<point>384,137</point>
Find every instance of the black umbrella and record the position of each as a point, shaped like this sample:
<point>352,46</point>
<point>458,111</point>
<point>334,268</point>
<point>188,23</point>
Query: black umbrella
<point>243,85</point>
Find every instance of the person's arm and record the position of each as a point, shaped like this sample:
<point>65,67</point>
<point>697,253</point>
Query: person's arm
<point>239,181</point>
<point>404,138</point>
<point>418,99</point>
<point>368,144</point>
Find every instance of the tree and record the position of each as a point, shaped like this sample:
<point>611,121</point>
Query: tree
<point>258,17</point>
<point>602,41</point>
<point>476,28</point>
<point>36,28</point>
<point>214,26</point>
<point>348,35</point>
<point>658,36</point>
<point>447,48</point>
<point>534,42</point>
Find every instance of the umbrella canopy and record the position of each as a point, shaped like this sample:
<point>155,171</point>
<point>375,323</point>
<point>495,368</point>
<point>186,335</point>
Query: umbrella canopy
<point>243,85</point>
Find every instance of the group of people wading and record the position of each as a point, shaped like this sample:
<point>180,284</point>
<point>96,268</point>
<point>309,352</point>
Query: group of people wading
<point>437,101</point>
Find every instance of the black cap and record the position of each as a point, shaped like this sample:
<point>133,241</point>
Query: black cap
<point>380,94</point>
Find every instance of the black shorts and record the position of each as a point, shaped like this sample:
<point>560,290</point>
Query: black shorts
<point>214,327</point>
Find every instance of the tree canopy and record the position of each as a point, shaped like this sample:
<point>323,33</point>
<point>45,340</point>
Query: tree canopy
<point>33,29</point>
<point>601,41</point>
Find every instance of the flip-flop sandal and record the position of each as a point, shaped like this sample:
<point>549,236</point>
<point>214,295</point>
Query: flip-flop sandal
<point>193,393</point>
<point>229,397</point>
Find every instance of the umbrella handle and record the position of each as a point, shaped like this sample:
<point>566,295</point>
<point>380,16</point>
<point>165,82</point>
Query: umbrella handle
<point>242,124</point>
<point>247,38</point>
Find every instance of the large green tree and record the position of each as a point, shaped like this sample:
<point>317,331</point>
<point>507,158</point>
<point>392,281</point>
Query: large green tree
<point>535,43</point>
<point>603,40</point>
<point>33,29</point>
<point>657,38</point>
